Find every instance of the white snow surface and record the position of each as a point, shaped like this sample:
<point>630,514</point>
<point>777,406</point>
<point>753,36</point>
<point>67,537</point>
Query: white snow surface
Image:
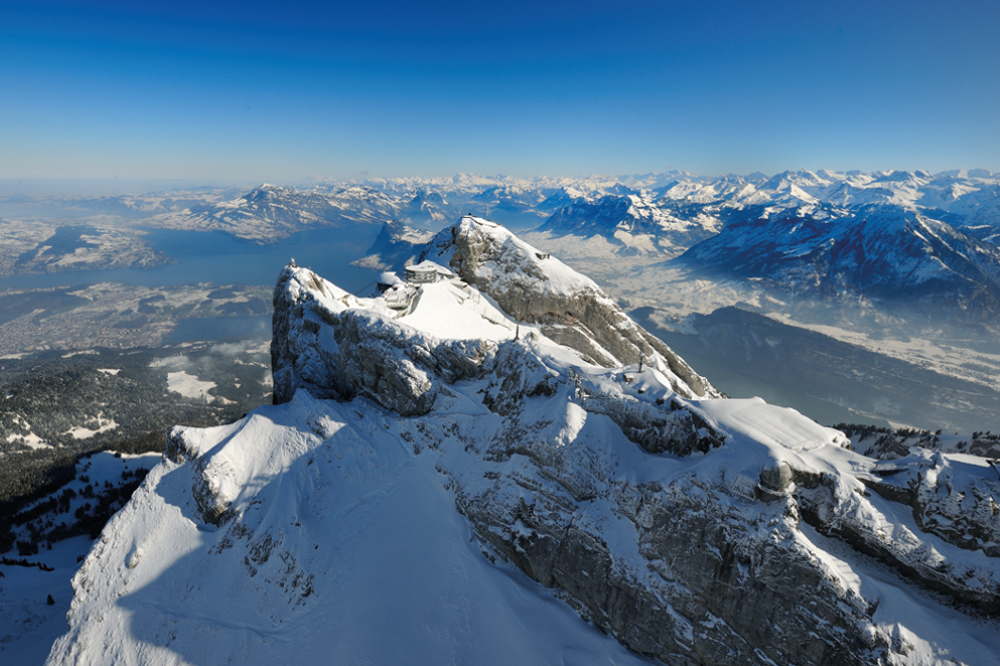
<point>362,559</point>
<point>442,311</point>
<point>189,386</point>
<point>343,542</point>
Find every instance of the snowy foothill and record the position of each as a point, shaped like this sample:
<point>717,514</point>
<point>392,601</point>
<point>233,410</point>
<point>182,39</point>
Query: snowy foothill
<point>28,623</point>
<point>100,424</point>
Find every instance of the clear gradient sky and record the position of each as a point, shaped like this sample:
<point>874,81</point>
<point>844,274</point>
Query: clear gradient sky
<point>280,92</point>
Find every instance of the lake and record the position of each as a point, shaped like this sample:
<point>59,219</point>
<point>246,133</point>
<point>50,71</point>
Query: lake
<point>216,257</point>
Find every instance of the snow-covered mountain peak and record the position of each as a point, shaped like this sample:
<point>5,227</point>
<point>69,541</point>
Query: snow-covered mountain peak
<point>455,474</point>
<point>504,261</point>
<point>403,348</point>
<point>802,180</point>
<point>264,191</point>
<point>568,307</point>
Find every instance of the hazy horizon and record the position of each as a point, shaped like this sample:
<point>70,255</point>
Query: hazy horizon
<point>243,92</point>
<point>137,186</point>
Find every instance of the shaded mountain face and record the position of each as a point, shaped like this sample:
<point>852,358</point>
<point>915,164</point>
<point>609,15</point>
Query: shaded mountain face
<point>396,246</point>
<point>446,481</point>
<point>426,208</point>
<point>634,222</point>
<point>880,252</point>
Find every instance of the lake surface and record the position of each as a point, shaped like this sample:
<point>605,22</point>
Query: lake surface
<point>216,257</point>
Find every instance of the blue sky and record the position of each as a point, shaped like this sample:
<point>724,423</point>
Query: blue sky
<point>260,91</point>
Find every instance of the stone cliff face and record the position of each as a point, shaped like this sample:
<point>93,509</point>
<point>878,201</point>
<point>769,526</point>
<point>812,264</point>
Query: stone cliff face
<point>323,342</point>
<point>689,571</point>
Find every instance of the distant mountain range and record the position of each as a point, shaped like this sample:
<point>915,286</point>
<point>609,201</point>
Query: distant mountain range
<point>906,236</point>
<point>581,206</point>
<point>878,251</point>
<point>269,213</point>
<point>963,198</point>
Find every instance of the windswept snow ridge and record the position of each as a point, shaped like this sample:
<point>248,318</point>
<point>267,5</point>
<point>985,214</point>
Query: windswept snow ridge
<point>692,529</point>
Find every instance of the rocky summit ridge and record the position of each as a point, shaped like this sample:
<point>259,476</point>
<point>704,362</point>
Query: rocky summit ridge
<point>462,468</point>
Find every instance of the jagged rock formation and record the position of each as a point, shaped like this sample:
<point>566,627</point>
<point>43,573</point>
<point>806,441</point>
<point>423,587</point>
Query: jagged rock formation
<point>692,530</point>
<point>568,307</point>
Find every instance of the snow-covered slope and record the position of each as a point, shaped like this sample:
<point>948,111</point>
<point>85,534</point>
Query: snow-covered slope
<point>29,621</point>
<point>348,550</point>
<point>475,488</point>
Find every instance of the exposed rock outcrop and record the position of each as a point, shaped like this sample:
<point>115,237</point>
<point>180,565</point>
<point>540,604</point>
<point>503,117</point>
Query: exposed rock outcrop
<point>324,341</point>
<point>572,310</point>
